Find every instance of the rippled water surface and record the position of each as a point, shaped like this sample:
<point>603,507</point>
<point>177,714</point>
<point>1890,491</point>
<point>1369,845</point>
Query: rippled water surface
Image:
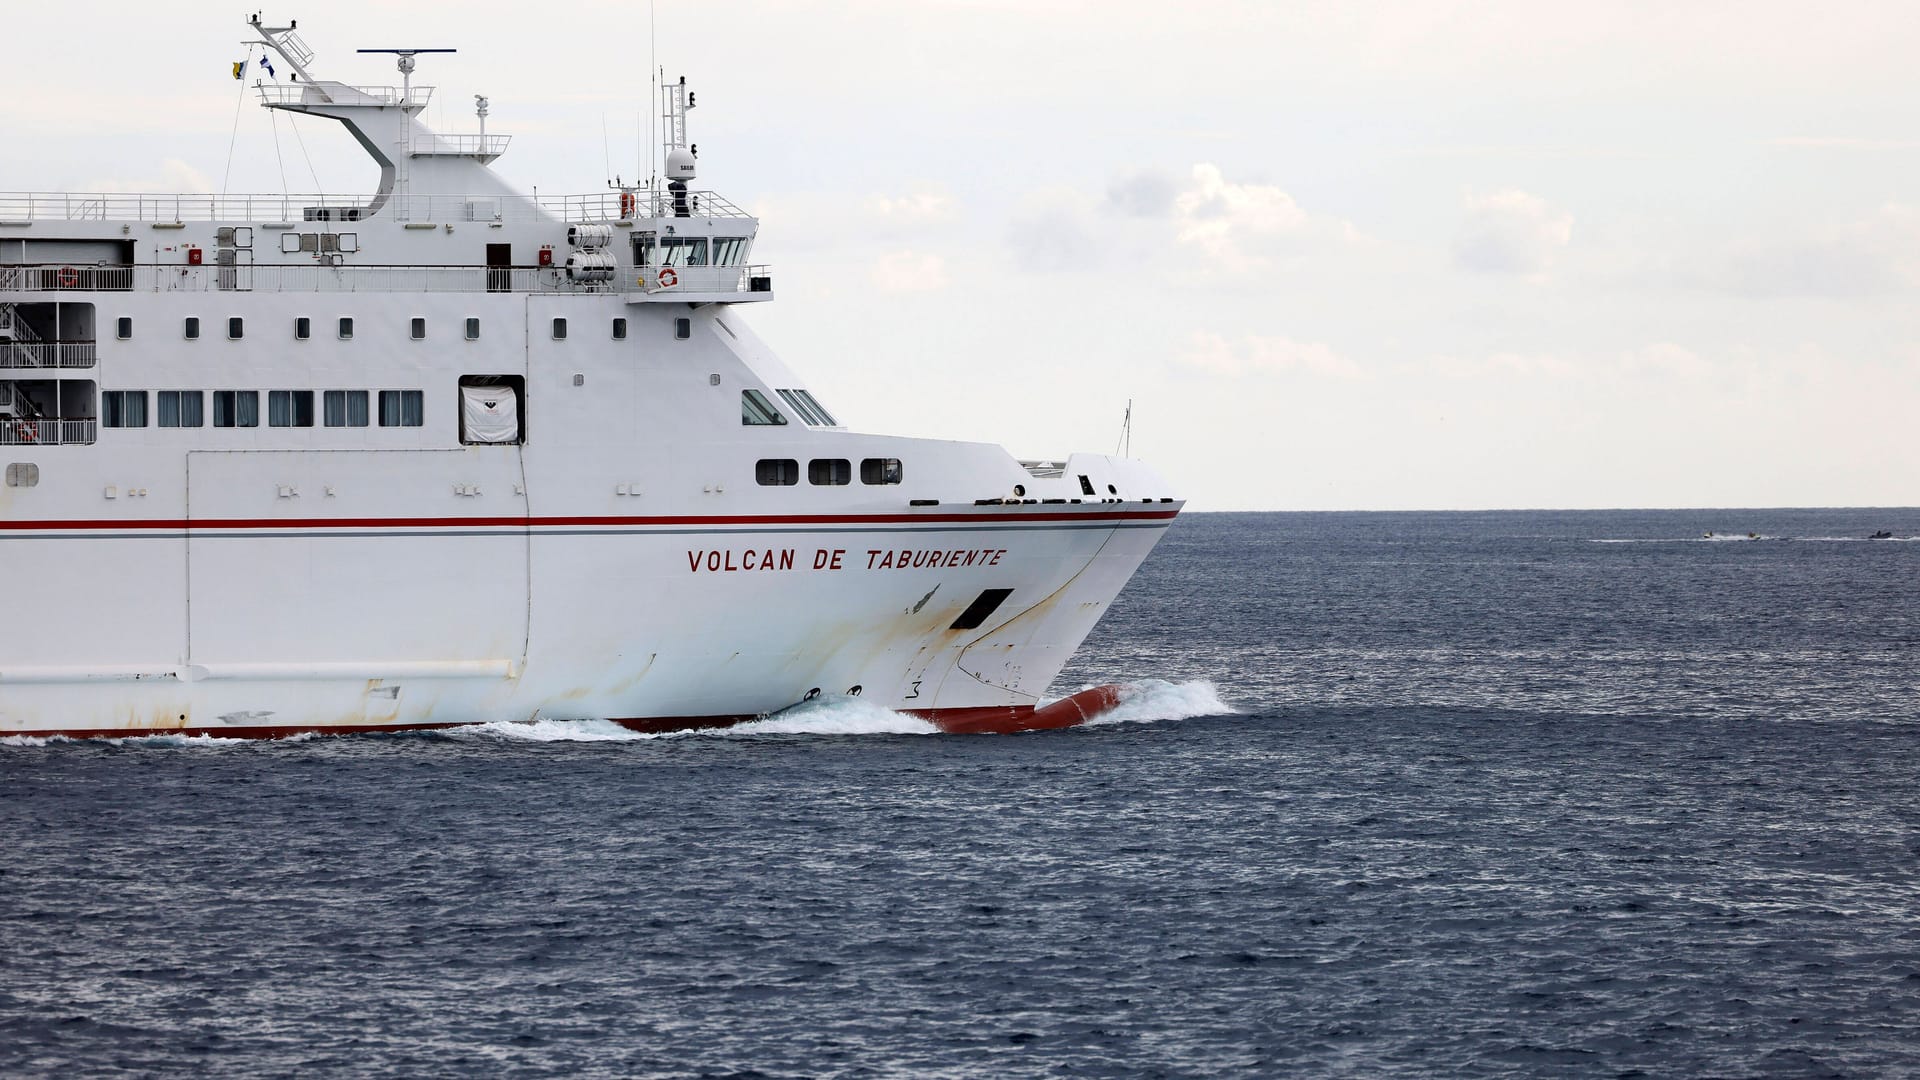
<point>1471,794</point>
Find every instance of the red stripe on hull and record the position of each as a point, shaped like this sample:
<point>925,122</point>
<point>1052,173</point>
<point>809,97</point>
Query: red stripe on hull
<point>206,524</point>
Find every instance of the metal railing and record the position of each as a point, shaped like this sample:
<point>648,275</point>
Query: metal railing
<point>323,93</point>
<point>462,145</point>
<point>17,431</point>
<point>607,206</point>
<point>48,354</point>
<point>174,277</point>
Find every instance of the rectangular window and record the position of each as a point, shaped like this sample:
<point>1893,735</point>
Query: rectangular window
<point>559,329</point>
<point>876,470</point>
<point>756,410</point>
<point>829,472</point>
<point>683,251</point>
<point>123,408</point>
<point>473,329</point>
<point>419,328</point>
<point>777,472</point>
<point>346,408</point>
<point>180,408</point>
<point>683,328</point>
<point>401,408</point>
<point>809,409</point>
<point>193,327</point>
<point>302,328</point>
<point>728,250</point>
<point>290,408</point>
<point>236,408</point>
<point>346,328</point>
<point>236,328</point>
<point>124,328</point>
<point>619,329</point>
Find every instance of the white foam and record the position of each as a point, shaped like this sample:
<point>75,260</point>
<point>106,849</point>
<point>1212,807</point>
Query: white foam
<point>1153,700</point>
<point>543,730</point>
<point>832,714</point>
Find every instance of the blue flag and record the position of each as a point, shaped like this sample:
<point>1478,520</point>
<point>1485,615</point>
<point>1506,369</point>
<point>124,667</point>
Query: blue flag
<point>268,65</point>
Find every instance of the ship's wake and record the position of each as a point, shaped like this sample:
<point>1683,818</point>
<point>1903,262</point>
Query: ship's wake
<point>1146,701</point>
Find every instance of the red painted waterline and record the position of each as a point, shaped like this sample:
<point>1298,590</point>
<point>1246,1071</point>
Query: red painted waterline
<point>201,524</point>
<point>993,720</point>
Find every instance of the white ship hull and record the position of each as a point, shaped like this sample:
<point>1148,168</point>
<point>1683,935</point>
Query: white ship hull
<point>450,454</point>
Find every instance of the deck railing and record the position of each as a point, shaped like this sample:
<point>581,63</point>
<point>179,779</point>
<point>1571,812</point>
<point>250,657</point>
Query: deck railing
<point>174,277</point>
<point>606,206</point>
<point>17,431</point>
<point>48,354</point>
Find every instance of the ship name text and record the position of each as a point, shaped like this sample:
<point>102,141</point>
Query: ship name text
<point>778,559</point>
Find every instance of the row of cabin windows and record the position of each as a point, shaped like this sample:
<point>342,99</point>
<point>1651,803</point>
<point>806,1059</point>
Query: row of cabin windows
<point>417,328</point>
<point>826,472</point>
<point>241,408</point>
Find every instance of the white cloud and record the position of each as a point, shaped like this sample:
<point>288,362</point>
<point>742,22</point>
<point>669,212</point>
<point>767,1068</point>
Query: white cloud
<point>909,272</point>
<point>916,207</point>
<point>1147,193</point>
<point>1511,232</point>
<point>1876,255</point>
<point>1056,229</point>
<point>1253,354</point>
<point>1234,223</point>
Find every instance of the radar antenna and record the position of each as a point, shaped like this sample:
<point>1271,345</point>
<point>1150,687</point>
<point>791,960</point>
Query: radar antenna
<point>406,69</point>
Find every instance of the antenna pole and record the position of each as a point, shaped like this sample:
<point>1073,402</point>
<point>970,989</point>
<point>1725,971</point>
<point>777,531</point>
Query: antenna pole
<point>1125,446</point>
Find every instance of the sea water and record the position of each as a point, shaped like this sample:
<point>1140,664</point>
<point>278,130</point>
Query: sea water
<point>1466,794</point>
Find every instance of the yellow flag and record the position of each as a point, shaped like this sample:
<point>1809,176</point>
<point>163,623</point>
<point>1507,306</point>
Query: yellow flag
<point>239,67</point>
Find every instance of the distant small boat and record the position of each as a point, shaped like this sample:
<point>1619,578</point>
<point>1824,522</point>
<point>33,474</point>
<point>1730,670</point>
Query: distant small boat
<point>1881,535</point>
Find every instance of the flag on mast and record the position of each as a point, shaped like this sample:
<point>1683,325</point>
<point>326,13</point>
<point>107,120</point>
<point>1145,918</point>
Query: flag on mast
<point>239,68</point>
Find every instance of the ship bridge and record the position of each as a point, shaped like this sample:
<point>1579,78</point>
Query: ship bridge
<point>440,219</point>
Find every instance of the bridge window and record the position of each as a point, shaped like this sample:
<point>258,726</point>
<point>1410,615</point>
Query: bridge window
<point>830,472</point>
<point>290,408</point>
<point>345,408</point>
<point>875,470</point>
<point>236,408</point>
<point>777,472</point>
<point>123,408</point>
<point>180,408</point>
<point>401,408</point>
<point>756,411</point>
<point>728,250</point>
<point>809,409</point>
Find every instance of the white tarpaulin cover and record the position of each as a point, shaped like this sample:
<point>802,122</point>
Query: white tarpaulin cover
<point>490,414</point>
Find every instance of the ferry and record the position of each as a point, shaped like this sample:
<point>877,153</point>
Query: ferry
<point>449,453</point>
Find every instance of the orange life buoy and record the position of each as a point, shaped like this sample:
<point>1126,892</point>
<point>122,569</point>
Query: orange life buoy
<point>626,204</point>
<point>26,432</point>
<point>668,279</point>
<point>69,277</point>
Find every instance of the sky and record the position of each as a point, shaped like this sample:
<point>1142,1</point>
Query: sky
<point>1337,255</point>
